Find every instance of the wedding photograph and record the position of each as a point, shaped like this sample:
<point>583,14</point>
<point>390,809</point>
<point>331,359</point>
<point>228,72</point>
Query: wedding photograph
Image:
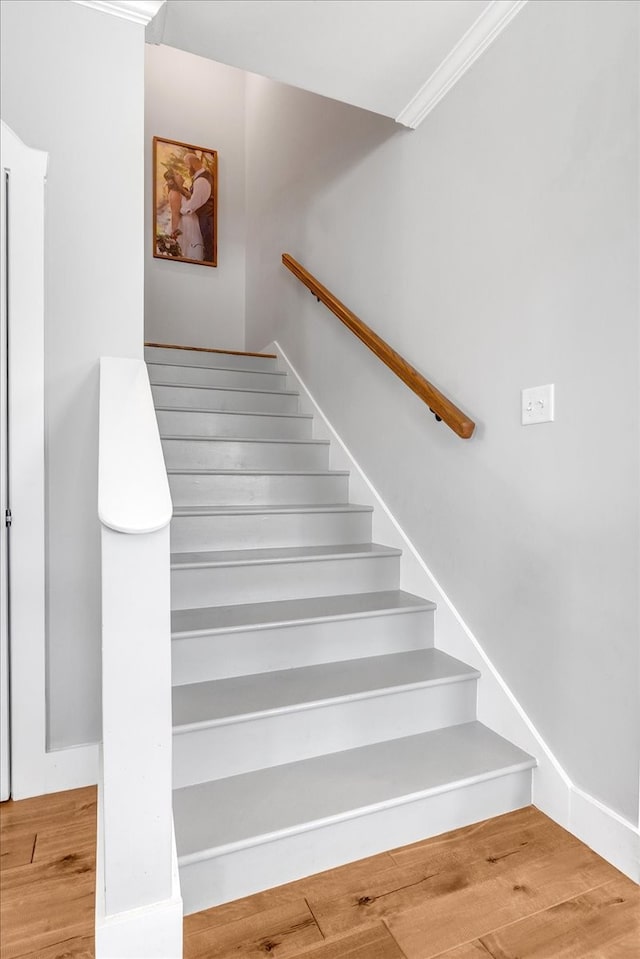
<point>185,191</point>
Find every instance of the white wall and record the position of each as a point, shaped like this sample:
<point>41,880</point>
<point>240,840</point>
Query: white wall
<point>496,248</point>
<point>72,84</point>
<point>197,101</point>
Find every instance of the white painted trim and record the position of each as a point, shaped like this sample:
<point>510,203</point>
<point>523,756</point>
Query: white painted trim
<point>490,24</point>
<point>26,210</point>
<point>133,489</point>
<point>71,768</point>
<point>610,835</point>
<point>5,741</point>
<point>604,830</point>
<point>136,11</point>
<point>34,770</point>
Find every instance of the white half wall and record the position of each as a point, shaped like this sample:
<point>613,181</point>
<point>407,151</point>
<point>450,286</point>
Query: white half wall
<point>496,248</point>
<point>194,100</point>
<point>73,86</point>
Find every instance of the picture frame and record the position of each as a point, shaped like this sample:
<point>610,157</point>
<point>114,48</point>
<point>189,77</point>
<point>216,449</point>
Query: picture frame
<point>181,231</point>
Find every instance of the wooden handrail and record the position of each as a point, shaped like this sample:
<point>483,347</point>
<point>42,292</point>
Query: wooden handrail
<point>209,349</point>
<point>442,408</point>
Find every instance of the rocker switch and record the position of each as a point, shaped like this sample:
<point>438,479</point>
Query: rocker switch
<point>538,405</point>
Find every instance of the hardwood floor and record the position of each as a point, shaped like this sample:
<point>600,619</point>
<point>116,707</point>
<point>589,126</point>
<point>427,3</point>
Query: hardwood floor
<point>47,876</point>
<point>515,887</point>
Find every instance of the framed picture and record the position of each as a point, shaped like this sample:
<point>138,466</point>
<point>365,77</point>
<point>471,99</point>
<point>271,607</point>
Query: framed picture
<point>185,202</point>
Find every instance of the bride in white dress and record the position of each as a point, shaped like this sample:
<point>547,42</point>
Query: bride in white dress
<point>184,226</point>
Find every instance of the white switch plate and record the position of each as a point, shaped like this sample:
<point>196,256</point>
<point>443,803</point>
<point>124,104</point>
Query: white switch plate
<point>538,405</point>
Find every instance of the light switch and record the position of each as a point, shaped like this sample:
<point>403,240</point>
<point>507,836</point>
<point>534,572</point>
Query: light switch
<point>538,405</point>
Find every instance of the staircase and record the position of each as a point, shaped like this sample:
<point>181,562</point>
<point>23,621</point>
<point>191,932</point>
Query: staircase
<point>315,723</point>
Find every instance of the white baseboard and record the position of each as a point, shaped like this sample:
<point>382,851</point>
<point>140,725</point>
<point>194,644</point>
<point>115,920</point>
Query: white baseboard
<point>154,932</point>
<point>599,827</point>
<point>610,835</point>
<point>71,768</point>
<point>44,771</point>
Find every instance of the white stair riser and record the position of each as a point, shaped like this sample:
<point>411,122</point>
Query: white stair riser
<point>243,872</point>
<point>269,530</point>
<point>270,582</point>
<point>198,397</point>
<point>245,489</point>
<point>254,455</point>
<point>199,423</point>
<point>200,376</point>
<point>234,748</point>
<point>197,659</point>
<point>153,354</point>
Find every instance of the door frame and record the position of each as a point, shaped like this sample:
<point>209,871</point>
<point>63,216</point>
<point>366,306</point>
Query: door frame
<point>5,748</point>
<point>26,170</point>
<point>35,769</point>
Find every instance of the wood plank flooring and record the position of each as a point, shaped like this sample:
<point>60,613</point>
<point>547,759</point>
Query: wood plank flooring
<point>47,876</point>
<point>514,887</point>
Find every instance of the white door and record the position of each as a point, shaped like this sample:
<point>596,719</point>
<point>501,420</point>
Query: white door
<point>5,781</point>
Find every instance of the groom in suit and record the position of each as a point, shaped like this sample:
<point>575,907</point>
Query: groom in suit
<point>200,201</point>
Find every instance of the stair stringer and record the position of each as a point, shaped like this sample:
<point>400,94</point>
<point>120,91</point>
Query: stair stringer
<point>612,836</point>
<point>498,708</point>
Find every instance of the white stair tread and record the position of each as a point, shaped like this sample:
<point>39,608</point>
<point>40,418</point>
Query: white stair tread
<point>266,509</point>
<point>219,369</point>
<point>241,439</point>
<point>193,622</point>
<point>218,817</point>
<point>287,554</point>
<point>205,409</point>
<point>198,471</point>
<point>226,389</point>
<point>220,701</point>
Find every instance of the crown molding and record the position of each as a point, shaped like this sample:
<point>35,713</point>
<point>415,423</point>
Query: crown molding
<point>491,22</point>
<point>136,11</point>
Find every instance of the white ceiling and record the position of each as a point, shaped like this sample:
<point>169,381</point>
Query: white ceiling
<point>373,55</point>
<point>393,57</point>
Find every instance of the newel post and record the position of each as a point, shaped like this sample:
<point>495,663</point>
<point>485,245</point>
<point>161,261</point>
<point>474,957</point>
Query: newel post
<point>138,901</point>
